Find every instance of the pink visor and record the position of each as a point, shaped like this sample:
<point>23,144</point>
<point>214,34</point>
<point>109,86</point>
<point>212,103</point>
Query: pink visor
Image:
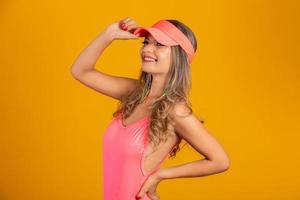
<point>167,34</point>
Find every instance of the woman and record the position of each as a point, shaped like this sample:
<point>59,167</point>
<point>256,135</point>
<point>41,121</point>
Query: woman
<point>154,112</point>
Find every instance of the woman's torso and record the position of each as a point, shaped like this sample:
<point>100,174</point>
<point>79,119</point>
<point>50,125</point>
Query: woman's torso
<point>128,158</point>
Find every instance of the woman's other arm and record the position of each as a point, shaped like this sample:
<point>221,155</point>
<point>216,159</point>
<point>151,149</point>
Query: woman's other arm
<point>193,131</point>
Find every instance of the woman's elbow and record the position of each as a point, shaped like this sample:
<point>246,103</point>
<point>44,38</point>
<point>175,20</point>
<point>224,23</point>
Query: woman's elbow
<point>223,164</point>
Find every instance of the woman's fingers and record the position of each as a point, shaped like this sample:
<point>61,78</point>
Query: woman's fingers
<point>128,25</point>
<point>131,27</point>
<point>128,22</point>
<point>154,196</point>
<point>125,20</point>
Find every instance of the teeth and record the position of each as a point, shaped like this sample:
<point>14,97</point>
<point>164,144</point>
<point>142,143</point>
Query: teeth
<point>149,59</point>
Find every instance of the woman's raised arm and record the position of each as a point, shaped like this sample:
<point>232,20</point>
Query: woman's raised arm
<point>83,69</point>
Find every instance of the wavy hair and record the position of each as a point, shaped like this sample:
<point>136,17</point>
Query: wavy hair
<point>176,90</point>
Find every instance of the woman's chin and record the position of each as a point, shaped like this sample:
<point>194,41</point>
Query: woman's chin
<point>148,62</point>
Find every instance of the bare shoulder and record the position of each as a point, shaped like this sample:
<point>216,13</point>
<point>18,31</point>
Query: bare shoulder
<point>180,109</point>
<point>182,113</point>
<point>185,122</point>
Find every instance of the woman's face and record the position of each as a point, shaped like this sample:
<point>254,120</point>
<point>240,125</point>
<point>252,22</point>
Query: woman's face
<point>160,52</point>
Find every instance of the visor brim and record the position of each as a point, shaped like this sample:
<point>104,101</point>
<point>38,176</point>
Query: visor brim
<point>157,34</point>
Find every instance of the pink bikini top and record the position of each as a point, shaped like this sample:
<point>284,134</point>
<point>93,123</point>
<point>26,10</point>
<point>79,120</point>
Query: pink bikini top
<point>123,157</point>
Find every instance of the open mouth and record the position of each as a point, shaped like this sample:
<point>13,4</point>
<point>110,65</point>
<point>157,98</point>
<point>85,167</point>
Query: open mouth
<point>149,60</point>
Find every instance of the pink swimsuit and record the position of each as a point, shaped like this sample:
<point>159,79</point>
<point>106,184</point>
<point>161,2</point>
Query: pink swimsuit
<point>123,158</point>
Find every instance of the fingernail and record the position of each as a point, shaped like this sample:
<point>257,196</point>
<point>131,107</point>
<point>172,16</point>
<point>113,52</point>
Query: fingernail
<point>124,27</point>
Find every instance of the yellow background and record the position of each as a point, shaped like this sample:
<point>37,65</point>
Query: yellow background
<point>245,86</point>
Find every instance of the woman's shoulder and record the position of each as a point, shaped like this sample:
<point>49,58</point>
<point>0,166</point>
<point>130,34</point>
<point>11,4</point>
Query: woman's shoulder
<point>180,109</point>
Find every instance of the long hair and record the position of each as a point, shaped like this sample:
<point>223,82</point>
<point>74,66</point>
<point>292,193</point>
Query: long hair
<point>176,90</point>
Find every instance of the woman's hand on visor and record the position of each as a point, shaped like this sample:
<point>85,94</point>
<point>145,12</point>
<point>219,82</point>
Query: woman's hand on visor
<point>123,29</point>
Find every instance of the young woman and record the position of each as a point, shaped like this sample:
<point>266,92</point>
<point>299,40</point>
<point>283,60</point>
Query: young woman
<point>154,112</point>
